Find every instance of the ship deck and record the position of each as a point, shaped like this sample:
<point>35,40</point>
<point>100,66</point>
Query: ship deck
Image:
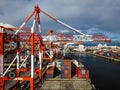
<point>74,83</point>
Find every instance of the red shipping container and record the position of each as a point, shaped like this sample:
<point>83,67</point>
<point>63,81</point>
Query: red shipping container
<point>78,70</point>
<point>62,67</point>
<point>67,75</point>
<point>65,72</point>
<point>79,73</point>
<point>80,76</point>
<point>50,70</point>
<point>87,73</point>
<point>87,76</point>
<point>67,62</point>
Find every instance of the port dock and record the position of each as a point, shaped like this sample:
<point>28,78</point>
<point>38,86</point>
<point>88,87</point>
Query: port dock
<point>105,57</point>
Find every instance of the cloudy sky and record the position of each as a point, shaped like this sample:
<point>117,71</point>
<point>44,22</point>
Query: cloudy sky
<point>89,16</point>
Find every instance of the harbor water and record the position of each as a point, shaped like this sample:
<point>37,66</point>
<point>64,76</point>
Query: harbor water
<point>104,74</point>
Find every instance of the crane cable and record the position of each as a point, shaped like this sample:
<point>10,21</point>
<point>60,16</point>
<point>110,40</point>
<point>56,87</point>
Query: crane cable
<point>62,23</point>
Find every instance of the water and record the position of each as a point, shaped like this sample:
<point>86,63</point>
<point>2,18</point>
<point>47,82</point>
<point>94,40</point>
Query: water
<point>104,74</point>
<point>113,43</point>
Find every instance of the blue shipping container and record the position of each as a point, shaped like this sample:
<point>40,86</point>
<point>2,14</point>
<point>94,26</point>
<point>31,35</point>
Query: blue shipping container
<point>62,72</point>
<point>62,63</point>
<point>49,76</point>
<point>62,75</point>
<point>65,67</point>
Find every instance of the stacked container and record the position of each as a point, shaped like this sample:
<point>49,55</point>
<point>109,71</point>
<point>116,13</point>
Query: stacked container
<point>82,72</point>
<point>87,73</point>
<point>50,72</point>
<point>58,64</point>
<point>66,69</point>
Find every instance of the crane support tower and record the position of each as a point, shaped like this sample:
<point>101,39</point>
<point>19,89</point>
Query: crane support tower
<point>14,37</point>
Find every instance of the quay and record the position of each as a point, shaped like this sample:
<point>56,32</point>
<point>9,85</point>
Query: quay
<point>105,57</point>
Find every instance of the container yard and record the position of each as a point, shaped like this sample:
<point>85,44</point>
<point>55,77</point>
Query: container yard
<point>107,52</point>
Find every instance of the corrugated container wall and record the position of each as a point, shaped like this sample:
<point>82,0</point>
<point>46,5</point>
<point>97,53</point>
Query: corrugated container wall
<point>66,69</point>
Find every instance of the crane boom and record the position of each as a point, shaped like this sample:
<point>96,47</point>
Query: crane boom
<point>62,23</point>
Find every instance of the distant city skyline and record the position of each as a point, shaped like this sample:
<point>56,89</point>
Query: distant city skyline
<point>88,16</point>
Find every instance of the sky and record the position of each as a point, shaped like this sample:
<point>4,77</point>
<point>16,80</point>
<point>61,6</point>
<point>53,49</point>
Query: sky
<point>88,16</point>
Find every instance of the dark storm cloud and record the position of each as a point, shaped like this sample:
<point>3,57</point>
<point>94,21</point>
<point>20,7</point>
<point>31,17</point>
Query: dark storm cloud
<point>81,14</point>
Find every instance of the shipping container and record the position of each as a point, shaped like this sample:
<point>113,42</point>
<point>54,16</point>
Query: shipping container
<point>49,75</point>
<point>87,73</point>
<point>82,72</point>
<point>50,70</point>
<point>66,68</point>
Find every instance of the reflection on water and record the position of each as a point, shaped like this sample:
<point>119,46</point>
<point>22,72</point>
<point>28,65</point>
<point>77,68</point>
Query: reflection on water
<point>104,74</point>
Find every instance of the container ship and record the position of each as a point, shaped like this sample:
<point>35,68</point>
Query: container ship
<point>67,74</point>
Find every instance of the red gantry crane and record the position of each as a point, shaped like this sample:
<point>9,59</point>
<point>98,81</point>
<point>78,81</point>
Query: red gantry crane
<point>32,38</point>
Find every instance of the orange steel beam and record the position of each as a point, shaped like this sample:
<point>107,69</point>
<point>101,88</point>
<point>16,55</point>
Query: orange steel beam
<point>25,44</point>
<point>32,37</point>
<point>11,29</point>
<point>32,60</point>
<point>32,49</point>
<point>55,19</point>
<point>40,59</point>
<point>1,49</point>
<point>1,83</point>
<point>62,23</point>
<point>1,56</point>
<point>18,49</point>
<point>36,10</point>
<point>28,18</point>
